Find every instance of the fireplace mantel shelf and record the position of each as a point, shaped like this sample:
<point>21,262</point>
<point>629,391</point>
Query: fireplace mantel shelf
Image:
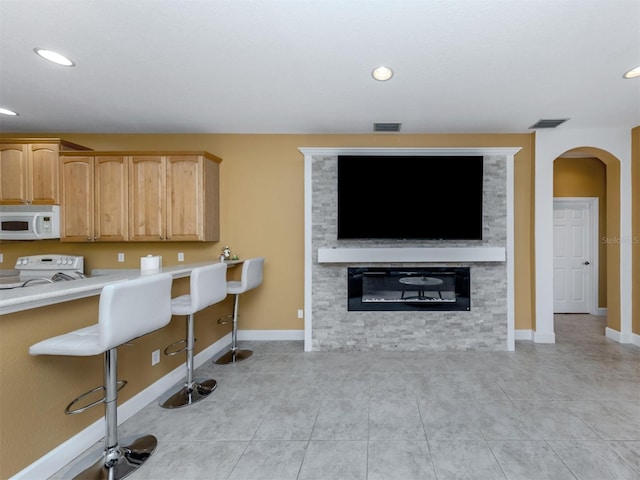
<point>431,255</point>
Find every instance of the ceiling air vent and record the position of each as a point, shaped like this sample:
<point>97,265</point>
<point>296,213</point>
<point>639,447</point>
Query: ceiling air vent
<point>386,127</point>
<point>548,122</point>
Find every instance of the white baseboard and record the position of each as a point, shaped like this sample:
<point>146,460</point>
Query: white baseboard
<point>544,337</point>
<point>65,453</point>
<point>612,334</point>
<point>524,334</point>
<point>616,336</point>
<point>270,335</point>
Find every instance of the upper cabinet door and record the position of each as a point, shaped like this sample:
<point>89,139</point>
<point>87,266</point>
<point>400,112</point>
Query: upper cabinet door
<point>111,198</point>
<point>147,200</point>
<point>185,202</point>
<point>13,173</point>
<point>43,174</point>
<point>77,199</point>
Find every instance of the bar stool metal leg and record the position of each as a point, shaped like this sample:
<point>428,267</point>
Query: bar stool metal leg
<point>193,390</point>
<point>234,354</point>
<point>116,460</point>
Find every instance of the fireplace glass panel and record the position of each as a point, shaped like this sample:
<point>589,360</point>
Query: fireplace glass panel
<point>419,288</point>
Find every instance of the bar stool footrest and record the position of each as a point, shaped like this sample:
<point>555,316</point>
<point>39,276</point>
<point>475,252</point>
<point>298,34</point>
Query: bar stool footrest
<point>226,320</point>
<point>169,352</point>
<point>69,411</point>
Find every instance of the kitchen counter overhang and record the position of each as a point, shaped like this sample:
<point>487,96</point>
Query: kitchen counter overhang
<point>20,299</point>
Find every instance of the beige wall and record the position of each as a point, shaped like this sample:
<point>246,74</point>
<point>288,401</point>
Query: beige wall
<point>586,177</point>
<point>262,213</point>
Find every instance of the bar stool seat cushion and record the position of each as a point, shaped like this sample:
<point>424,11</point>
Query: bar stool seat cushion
<point>181,305</point>
<point>234,287</point>
<point>82,342</point>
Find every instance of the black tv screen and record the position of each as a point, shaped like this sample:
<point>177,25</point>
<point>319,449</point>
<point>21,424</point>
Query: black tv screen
<point>410,197</point>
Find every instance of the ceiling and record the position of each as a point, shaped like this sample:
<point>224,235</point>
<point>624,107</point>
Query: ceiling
<point>304,66</point>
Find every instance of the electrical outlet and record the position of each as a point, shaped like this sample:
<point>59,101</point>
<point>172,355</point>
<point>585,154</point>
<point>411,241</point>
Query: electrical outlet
<point>180,257</point>
<point>300,313</point>
<point>1,257</point>
<point>121,257</point>
<point>155,357</point>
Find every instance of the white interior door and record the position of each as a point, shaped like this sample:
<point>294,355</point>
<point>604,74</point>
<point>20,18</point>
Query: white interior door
<point>573,262</point>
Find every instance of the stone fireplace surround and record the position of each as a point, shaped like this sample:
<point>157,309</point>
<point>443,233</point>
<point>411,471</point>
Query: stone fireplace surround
<point>488,326</point>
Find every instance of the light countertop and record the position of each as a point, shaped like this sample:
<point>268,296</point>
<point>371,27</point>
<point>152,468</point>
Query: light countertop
<point>20,299</point>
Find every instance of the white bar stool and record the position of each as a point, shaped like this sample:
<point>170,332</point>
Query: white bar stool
<point>208,285</point>
<point>127,310</point>
<point>250,278</point>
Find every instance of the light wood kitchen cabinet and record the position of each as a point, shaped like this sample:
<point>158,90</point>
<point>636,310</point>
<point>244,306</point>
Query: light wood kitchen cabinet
<point>140,197</point>
<point>94,198</point>
<point>147,199</point>
<point>29,170</point>
<point>174,197</point>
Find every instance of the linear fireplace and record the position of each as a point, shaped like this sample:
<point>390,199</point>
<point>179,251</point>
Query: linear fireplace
<point>409,288</point>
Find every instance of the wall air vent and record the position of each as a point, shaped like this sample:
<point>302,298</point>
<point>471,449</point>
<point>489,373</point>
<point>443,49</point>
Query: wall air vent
<point>386,127</point>
<point>548,122</point>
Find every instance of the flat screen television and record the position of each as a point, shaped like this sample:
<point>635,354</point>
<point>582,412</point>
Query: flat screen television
<point>410,197</point>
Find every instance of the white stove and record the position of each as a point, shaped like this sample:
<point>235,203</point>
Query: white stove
<point>42,269</point>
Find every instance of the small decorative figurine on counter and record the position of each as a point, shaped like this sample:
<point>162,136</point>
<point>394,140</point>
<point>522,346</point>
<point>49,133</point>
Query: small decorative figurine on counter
<point>226,255</point>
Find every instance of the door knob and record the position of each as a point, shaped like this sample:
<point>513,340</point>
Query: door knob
<point>586,263</point>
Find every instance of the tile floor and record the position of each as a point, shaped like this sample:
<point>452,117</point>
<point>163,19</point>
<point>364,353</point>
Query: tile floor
<point>565,411</point>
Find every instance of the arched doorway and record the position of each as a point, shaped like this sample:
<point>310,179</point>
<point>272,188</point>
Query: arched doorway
<point>593,172</point>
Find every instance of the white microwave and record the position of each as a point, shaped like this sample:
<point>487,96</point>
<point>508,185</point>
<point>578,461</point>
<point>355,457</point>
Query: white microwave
<point>29,222</point>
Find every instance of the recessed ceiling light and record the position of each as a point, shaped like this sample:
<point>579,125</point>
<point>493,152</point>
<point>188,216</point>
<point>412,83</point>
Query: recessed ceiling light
<point>54,57</point>
<point>6,111</point>
<point>382,73</point>
<point>635,73</point>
